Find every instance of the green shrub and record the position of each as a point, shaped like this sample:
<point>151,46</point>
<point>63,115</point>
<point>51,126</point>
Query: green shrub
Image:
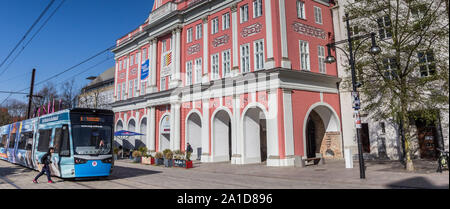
<point>137,154</point>
<point>159,155</point>
<point>168,154</point>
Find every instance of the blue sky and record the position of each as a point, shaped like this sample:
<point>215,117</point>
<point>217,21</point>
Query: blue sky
<point>78,30</point>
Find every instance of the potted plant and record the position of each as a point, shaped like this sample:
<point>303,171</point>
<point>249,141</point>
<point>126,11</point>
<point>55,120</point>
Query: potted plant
<point>137,156</point>
<point>168,156</point>
<point>159,158</point>
<point>146,158</point>
<point>182,161</point>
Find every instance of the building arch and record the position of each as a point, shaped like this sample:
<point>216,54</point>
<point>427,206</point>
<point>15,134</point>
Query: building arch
<point>326,123</point>
<point>193,131</point>
<point>254,133</point>
<point>221,135</point>
<point>163,137</point>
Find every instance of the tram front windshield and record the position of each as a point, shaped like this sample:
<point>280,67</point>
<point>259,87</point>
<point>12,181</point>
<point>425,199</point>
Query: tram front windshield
<point>92,139</point>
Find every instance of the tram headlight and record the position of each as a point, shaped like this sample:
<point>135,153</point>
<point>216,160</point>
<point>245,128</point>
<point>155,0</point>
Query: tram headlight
<point>80,161</point>
<point>107,160</point>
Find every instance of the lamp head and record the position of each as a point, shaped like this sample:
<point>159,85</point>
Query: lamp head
<point>375,49</point>
<point>330,59</point>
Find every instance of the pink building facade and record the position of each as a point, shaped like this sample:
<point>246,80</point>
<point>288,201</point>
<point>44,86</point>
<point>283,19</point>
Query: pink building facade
<point>243,81</point>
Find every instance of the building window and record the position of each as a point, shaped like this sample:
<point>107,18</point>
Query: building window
<point>390,66</point>
<point>136,86</point>
<point>164,46</point>
<point>132,60</point>
<point>189,35</point>
<point>426,63</point>
<point>245,58</point>
<point>144,55</point>
<point>198,70</point>
<point>143,90</point>
<point>259,54</point>
<point>130,89</point>
<point>257,8</point>
<point>384,27</point>
<point>124,96</point>
<point>244,13</point>
<point>304,56</point>
<point>215,25</point>
<point>215,66</point>
<point>318,15</point>
<point>119,89</point>
<point>226,63</point>
<point>321,55</point>
<point>163,84</point>
<point>301,10</point>
<point>225,21</point>
<point>198,31</point>
<point>383,127</point>
<point>189,73</point>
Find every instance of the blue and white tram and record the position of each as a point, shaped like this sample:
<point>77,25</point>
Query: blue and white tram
<point>82,139</point>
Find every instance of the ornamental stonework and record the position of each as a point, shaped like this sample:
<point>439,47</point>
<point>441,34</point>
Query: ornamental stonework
<point>193,49</point>
<point>308,30</point>
<point>219,41</point>
<point>251,30</point>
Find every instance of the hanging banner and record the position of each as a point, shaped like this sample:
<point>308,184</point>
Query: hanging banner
<point>145,70</point>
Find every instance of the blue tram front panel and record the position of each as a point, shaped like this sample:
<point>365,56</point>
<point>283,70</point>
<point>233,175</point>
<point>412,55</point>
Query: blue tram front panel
<point>86,166</point>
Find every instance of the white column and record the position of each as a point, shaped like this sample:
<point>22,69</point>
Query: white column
<point>126,80</point>
<point>283,30</point>
<point>205,77</point>
<point>177,131</point>
<point>273,156</point>
<point>151,128</point>
<point>205,131</point>
<point>116,73</point>
<point>141,91</point>
<point>288,129</point>
<point>234,27</point>
<point>153,64</point>
<point>269,35</point>
<point>235,139</point>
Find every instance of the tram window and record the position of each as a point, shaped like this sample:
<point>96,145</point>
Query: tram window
<point>12,140</point>
<point>3,142</point>
<point>22,140</point>
<point>65,142</point>
<point>57,139</point>
<point>44,140</point>
<point>30,141</point>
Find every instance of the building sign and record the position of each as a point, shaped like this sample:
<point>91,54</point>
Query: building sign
<point>165,125</point>
<point>251,30</point>
<point>219,41</point>
<point>166,64</point>
<point>144,70</point>
<point>308,30</point>
<point>193,49</point>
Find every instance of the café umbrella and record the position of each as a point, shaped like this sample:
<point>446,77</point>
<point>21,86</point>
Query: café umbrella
<point>124,134</point>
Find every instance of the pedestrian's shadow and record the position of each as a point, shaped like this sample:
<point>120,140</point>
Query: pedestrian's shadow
<point>416,183</point>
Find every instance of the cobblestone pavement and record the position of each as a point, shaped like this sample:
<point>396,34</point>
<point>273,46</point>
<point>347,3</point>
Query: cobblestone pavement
<point>332,175</point>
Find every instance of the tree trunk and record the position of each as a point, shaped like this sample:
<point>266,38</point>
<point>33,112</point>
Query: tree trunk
<point>406,131</point>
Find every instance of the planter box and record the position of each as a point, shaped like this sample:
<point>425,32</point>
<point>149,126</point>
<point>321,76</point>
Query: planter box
<point>137,160</point>
<point>182,163</point>
<point>159,161</point>
<point>168,162</point>
<point>148,160</point>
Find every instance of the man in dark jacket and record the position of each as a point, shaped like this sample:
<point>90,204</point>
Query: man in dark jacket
<point>45,160</point>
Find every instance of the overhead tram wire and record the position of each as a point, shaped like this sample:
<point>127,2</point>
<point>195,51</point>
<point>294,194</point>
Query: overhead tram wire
<point>26,34</point>
<point>34,35</point>
<point>71,68</point>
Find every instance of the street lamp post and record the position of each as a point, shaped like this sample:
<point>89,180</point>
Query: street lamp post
<point>355,95</point>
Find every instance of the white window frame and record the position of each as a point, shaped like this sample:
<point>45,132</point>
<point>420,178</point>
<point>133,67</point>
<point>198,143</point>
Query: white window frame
<point>215,70</point>
<point>245,58</point>
<point>164,46</point>
<point>258,54</point>
<point>189,73</point>
<point>321,56</point>
<point>226,21</point>
<point>305,63</point>
<point>226,63</point>
<point>257,8</point>
<point>244,13</point>
<point>130,88</point>
<point>189,35</point>
<point>124,90</point>
<point>143,89</point>
<point>318,15</point>
<point>215,25</point>
<point>301,12</point>
<point>144,55</point>
<point>198,70</point>
<point>198,31</point>
<point>119,92</point>
<point>136,87</point>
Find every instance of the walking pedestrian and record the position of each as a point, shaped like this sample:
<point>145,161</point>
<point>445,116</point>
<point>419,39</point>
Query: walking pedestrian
<point>189,151</point>
<point>46,161</point>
